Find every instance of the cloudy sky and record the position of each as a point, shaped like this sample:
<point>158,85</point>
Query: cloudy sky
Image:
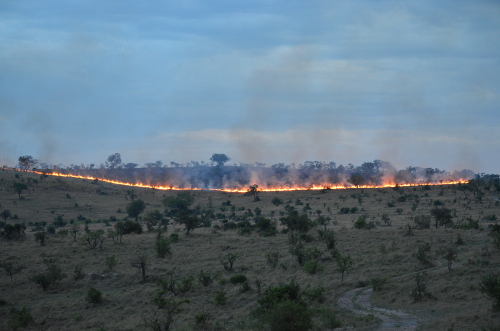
<point>410,82</point>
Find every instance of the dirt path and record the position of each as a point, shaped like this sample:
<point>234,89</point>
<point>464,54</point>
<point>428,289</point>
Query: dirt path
<point>358,301</point>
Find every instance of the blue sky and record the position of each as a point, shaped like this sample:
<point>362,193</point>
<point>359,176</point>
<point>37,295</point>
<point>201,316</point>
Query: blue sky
<point>410,82</point>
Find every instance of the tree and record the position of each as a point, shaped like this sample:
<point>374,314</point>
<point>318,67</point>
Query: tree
<point>296,222</point>
<point>356,180</point>
<point>490,285</point>
<point>220,159</point>
<point>190,222</point>
<point>5,214</point>
<point>27,162</point>
<point>442,216</point>
<point>11,268</point>
<point>135,208</point>
<point>180,202</point>
<point>170,307</point>
<point>19,187</point>
<point>344,263</point>
<point>114,161</point>
<point>140,263</point>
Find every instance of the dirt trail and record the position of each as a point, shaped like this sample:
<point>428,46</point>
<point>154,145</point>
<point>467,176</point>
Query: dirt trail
<point>358,301</point>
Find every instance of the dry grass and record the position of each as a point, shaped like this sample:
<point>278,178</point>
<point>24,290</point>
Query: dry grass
<point>457,300</point>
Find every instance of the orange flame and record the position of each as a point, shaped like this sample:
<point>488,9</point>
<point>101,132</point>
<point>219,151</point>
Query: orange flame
<point>240,190</point>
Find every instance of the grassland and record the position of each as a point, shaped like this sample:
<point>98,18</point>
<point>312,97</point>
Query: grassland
<point>386,251</point>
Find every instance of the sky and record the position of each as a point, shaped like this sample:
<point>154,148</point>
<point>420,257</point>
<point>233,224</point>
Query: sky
<point>414,83</point>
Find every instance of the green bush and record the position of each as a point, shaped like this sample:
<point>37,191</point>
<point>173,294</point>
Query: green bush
<point>275,295</point>
<point>273,258</point>
<point>238,279</point>
<point>315,294</point>
<point>78,272</point>
<point>490,285</point>
<point>312,267</point>
<point>53,274</point>
<point>378,283</point>
<point>162,247</point>
<point>40,237</point>
<point>220,297</point>
<point>93,296</point>
<point>185,285</point>
<point>174,237</point>
<point>205,278</point>
<point>111,262</point>
<point>20,318</point>
<point>329,320</point>
<point>245,287</point>
<point>289,315</point>
<point>129,226</point>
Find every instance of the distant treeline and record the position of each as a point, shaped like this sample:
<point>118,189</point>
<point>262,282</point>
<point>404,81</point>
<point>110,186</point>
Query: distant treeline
<point>216,174</point>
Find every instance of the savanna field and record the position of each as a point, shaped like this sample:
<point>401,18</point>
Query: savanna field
<point>266,263</point>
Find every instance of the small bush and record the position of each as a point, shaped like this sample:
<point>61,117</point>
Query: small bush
<point>20,318</point>
<point>330,320</point>
<point>315,294</point>
<point>420,289</point>
<point>78,272</point>
<point>490,285</point>
<point>311,267</point>
<point>185,285</point>
<point>220,297</point>
<point>289,316</point>
<point>378,283</point>
<point>111,262</point>
<point>273,258</point>
<point>205,278</point>
<point>93,296</point>
<point>162,247</point>
<point>238,279</point>
<point>245,287</point>
<point>174,237</point>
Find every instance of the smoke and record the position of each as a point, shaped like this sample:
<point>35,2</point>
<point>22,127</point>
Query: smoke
<point>310,174</point>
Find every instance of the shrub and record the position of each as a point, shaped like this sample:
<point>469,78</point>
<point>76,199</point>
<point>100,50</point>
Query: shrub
<point>78,272</point>
<point>40,237</point>
<point>129,226</point>
<point>205,278</point>
<point>162,247</point>
<point>490,285</point>
<point>276,201</point>
<point>245,287</point>
<point>329,320</point>
<point>421,254</point>
<point>315,294</point>
<point>378,283</point>
<point>228,261</point>
<point>93,296</point>
<point>220,297</point>
<point>53,274</point>
<point>420,289</point>
<point>311,267</point>
<point>174,237</point>
<point>273,258</point>
<point>11,268</point>
<point>203,320</point>
<point>51,229</point>
<point>185,285</point>
<point>237,279</point>
<point>15,231</point>
<point>422,222</point>
<point>275,295</point>
<point>289,316</point>
<point>20,318</point>
<point>111,262</point>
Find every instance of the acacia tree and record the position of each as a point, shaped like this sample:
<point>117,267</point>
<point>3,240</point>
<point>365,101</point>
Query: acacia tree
<point>27,162</point>
<point>135,208</point>
<point>442,216</point>
<point>5,214</point>
<point>219,159</point>
<point>19,187</point>
<point>344,263</point>
<point>114,161</point>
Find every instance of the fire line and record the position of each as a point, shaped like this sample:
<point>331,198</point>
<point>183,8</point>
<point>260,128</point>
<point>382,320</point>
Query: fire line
<point>273,189</point>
